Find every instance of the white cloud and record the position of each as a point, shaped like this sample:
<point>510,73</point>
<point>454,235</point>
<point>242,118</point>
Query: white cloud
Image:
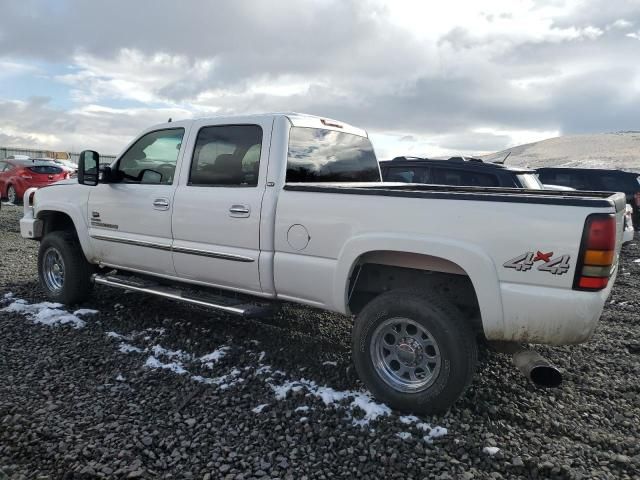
<point>621,24</point>
<point>465,77</point>
<point>10,68</point>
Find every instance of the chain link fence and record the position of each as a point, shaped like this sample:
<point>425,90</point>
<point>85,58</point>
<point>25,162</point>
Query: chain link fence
<point>6,152</point>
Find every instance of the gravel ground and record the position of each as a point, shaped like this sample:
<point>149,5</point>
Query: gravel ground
<point>128,395</point>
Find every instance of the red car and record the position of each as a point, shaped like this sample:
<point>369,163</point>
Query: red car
<point>18,175</point>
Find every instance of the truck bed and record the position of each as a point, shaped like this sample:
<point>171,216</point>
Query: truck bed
<point>488,194</point>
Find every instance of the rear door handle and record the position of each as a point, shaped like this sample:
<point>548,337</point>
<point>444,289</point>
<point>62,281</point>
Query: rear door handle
<point>161,204</point>
<point>239,211</point>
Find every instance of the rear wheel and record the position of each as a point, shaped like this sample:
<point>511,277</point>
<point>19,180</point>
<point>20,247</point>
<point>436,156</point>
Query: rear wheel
<point>12,195</point>
<point>414,351</point>
<point>65,274</point>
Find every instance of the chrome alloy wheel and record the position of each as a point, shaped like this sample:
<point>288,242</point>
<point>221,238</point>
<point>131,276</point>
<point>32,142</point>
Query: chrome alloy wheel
<point>12,195</point>
<point>53,269</point>
<point>405,355</point>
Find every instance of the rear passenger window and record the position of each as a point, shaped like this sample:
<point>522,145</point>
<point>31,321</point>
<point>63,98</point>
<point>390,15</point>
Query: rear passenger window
<point>444,176</point>
<point>227,155</point>
<point>612,183</point>
<point>405,174</point>
<point>573,180</point>
<point>477,179</point>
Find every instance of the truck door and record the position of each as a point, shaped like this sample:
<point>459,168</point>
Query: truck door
<point>130,218</point>
<point>217,207</point>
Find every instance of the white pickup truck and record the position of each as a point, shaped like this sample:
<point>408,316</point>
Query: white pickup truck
<point>238,213</point>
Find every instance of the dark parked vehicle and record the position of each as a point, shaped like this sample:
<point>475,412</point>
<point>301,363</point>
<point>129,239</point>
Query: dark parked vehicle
<point>595,179</point>
<point>458,171</point>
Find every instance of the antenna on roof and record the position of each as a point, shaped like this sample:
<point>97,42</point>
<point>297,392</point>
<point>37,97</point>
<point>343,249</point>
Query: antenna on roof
<point>504,159</point>
<point>169,121</point>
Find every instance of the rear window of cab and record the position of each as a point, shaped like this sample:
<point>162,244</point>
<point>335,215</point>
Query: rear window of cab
<point>320,155</point>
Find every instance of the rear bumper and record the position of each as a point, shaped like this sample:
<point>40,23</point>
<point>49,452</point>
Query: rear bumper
<point>535,314</point>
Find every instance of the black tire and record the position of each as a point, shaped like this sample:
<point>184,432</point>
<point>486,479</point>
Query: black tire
<point>76,284</point>
<point>454,337</point>
<point>16,200</point>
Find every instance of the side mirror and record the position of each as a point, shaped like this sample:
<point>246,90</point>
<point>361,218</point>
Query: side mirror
<point>88,164</point>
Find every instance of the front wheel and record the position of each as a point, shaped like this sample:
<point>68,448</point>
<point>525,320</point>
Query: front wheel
<point>65,274</point>
<point>414,351</point>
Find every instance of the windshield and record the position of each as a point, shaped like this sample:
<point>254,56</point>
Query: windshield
<point>530,181</point>
<point>318,155</point>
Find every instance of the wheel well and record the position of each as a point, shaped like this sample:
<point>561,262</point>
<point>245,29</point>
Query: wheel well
<point>56,221</point>
<point>379,272</point>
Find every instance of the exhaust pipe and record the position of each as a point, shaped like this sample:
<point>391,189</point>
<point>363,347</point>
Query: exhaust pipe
<point>537,368</point>
<point>532,365</point>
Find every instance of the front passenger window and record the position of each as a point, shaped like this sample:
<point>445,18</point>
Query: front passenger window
<point>152,159</point>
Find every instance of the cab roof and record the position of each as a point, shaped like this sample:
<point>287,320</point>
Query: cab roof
<point>295,118</point>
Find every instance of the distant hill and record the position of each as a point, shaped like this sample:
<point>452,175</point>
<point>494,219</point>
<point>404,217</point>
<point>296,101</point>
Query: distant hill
<point>603,150</point>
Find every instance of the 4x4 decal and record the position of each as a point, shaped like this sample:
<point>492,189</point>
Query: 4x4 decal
<point>526,261</point>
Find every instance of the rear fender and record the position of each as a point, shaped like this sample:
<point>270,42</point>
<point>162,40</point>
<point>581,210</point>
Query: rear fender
<point>475,263</point>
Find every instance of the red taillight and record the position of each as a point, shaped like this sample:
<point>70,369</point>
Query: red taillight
<point>601,233</point>
<point>25,175</point>
<point>597,253</point>
<point>593,283</point>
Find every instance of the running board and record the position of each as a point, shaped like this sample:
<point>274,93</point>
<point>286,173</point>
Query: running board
<point>247,310</point>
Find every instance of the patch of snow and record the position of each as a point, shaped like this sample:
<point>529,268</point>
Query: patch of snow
<point>85,311</point>
<point>432,432</point>
<point>637,260</point>
<point>214,357</point>
<point>303,419</point>
<point>267,369</point>
<point>7,296</point>
<point>330,363</point>
<point>175,367</point>
<point>262,355</point>
<point>128,348</point>
<point>231,379</point>
<point>491,451</point>
<point>403,435</point>
<point>45,313</point>
<point>171,354</point>
<point>329,396</point>
<point>408,419</point>
<point>120,378</point>
<point>201,379</point>
<point>259,408</point>
<point>436,432</point>
<point>224,382</point>
<point>303,408</point>
<point>115,335</point>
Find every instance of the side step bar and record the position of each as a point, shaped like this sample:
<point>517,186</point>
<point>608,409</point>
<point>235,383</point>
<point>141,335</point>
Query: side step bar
<point>246,310</point>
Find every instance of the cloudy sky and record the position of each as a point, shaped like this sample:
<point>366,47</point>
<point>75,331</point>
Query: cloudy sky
<point>424,78</point>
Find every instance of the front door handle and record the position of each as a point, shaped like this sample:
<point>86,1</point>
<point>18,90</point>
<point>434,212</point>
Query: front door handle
<point>239,211</point>
<point>161,204</point>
